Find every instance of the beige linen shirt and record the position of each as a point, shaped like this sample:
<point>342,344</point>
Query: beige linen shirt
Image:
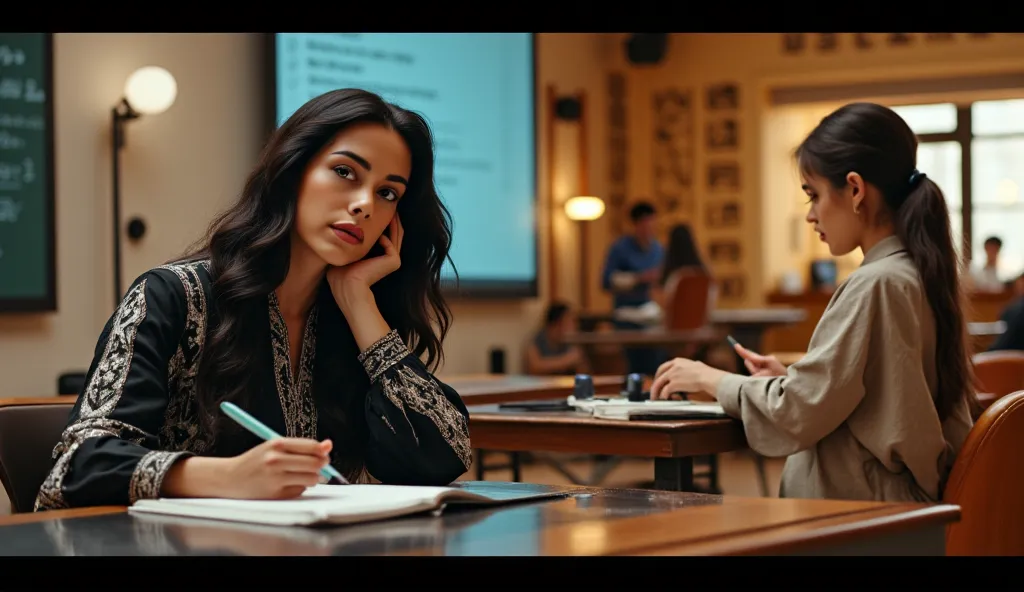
<point>856,416</point>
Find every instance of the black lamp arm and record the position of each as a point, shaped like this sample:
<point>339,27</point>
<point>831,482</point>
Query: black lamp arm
<point>121,113</point>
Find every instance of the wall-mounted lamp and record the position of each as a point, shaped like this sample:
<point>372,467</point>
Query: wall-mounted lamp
<point>584,209</point>
<point>148,91</point>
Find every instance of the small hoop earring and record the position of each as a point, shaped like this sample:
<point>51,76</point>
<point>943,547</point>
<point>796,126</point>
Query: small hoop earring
<point>856,210</point>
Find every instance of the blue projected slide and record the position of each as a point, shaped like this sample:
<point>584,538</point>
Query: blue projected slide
<point>476,90</point>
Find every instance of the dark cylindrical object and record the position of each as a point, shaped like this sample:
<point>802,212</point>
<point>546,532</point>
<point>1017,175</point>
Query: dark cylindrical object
<point>583,389</point>
<point>497,361</point>
<point>635,387</point>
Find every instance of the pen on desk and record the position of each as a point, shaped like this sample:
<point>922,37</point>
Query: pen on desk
<point>260,430</point>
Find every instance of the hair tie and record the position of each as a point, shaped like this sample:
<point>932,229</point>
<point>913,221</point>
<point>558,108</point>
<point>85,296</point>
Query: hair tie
<point>915,178</point>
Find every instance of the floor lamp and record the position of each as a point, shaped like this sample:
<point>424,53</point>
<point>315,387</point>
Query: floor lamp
<point>583,210</point>
<point>148,91</point>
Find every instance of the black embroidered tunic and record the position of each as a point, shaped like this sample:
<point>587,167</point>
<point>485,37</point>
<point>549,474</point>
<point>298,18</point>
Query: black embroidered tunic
<point>137,414</point>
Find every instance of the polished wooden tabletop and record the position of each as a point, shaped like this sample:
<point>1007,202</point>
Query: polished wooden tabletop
<point>588,521</point>
<point>507,388</point>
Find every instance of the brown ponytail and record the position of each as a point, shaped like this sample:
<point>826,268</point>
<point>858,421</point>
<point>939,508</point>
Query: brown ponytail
<point>876,143</point>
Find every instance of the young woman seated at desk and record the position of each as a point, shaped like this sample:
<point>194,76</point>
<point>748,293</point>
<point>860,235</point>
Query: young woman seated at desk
<point>548,354</point>
<point>298,309</point>
<point>880,406</point>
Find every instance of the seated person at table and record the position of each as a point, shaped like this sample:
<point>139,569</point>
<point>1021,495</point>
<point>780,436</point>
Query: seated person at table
<point>298,309</point>
<point>881,404</point>
<point>1013,315</point>
<point>547,353</point>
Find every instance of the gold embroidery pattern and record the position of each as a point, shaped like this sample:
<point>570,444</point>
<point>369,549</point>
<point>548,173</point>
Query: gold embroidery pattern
<point>149,474</point>
<point>181,429</point>
<point>100,396</point>
<point>408,390</point>
<point>297,404</point>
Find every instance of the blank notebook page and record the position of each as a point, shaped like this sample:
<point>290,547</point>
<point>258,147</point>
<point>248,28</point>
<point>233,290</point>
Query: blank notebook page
<point>323,498</point>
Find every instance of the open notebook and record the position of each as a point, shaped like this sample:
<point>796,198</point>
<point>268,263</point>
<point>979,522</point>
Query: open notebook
<point>333,504</point>
<point>636,410</point>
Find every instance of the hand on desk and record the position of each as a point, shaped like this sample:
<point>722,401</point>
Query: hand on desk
<point>684,376</point>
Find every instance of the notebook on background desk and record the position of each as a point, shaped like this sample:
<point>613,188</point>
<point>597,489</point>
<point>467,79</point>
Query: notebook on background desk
<point>334,504</point>
<point>623,409</point>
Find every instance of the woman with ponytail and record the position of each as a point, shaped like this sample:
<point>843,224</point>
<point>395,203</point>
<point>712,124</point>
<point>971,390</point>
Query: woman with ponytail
<point>310,306</point>
<point>881,404</point>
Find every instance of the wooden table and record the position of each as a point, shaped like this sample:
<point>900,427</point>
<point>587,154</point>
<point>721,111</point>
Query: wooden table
<point>671,443</point>
<point>487,389</point>
<point>588,522</point>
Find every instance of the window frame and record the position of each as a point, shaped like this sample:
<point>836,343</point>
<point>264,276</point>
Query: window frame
<point>963,135</point>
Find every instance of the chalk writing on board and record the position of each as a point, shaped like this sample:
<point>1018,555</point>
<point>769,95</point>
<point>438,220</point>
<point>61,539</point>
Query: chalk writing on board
<point>9,141</point>
<point>17,173</point>
<point>33,93</point>
<point>9,210</point>
<point>11,57</point>
<point>10,89</point>
<point>21,122</point>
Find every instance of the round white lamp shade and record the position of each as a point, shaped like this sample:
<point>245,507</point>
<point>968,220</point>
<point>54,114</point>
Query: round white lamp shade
<point>150,90</point>
<point>584,207</point>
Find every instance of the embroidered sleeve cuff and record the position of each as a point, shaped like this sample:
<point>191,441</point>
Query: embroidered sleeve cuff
<point>384,354</point>
<point>150,472</point>
<point>728,393</point>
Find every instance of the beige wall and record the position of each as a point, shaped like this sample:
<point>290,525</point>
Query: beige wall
<point>756,63</point>
<point>183,165</point>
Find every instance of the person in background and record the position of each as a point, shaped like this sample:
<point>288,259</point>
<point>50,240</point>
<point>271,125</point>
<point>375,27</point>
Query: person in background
<point>683,258</point>
<point>986,278</point>
<point>881,404</point>
<point>632,268</point>
<point>548,354</point>
<point>1013,315</point>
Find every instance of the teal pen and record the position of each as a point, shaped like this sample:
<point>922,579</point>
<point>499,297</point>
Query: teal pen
<point>259,429</point>
<point>732,341</point>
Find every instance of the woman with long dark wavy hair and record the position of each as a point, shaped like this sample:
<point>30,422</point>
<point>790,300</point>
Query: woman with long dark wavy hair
<point>310,305</point>
<point>880,405</point>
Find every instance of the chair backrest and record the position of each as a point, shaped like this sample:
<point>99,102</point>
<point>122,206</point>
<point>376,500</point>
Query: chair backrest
<point>71,383</point>
<point>687,300</point>
<point>29,430</point>
<point>1000,372</point>
<point>987,482</point>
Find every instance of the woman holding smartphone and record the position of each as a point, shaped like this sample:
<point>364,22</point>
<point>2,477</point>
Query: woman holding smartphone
<point>881,404</point>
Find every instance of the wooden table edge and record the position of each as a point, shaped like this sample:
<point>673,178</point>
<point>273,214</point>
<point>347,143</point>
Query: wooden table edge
<point>29,517</point>
<point>807,533</point>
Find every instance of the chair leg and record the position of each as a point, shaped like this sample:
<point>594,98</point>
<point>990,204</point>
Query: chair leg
<point>517,475</point>
<point>480,467</point>
<point>762,474</point>
<point>713,474</point>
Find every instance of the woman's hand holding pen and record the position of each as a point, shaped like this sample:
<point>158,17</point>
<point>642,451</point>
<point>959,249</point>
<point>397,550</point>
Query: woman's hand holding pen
<point>281,468</point>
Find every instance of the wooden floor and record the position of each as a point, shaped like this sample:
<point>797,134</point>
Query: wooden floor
<point>737,473</point>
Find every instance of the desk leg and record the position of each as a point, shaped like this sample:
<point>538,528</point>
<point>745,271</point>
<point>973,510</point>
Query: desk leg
<point>673,474</point>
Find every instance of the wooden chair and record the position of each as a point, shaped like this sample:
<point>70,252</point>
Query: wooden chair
<point>29,430</point>
<point>687,300</point>
<point>987,482</point>
<point>999,372</point>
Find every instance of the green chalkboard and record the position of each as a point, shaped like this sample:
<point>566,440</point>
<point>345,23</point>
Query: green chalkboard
<point>27,254</point>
